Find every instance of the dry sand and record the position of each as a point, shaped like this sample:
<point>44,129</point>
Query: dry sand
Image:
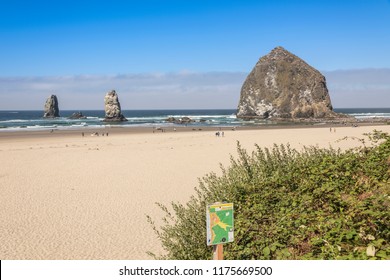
<point>64,196</point>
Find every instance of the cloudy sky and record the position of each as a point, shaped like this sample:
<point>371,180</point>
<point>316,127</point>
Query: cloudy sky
<point>185,54</point>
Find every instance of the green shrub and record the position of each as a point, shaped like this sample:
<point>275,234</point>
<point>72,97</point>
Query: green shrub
<point>289,204</point>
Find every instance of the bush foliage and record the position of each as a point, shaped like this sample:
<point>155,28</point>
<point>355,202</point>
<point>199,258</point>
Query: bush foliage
<point>288,204</point>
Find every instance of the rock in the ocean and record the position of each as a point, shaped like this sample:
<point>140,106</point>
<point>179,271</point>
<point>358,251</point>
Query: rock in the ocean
<point>171,119</point>
<point>77,115</point>
<point>112,108</point>
<point>183,120</point>
<point>51,108</point>
<point>282,85</point>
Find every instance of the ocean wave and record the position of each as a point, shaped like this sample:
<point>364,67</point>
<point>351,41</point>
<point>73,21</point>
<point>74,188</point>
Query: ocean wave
<point>13,121</point>
<point>145,118</point>
<point>198,116</point>
<point>151,125</point>
<point>370,115</point>
<point>41,126</point>
<point>79,125</point>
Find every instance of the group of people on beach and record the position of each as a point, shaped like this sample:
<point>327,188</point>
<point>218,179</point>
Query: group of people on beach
<point>95,134</point>
<point>160,129</point>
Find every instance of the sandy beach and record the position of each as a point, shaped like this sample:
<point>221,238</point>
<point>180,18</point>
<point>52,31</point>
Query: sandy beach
<point>64,196</point>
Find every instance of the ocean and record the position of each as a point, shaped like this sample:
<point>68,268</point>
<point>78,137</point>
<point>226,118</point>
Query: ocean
<point>17,120</point>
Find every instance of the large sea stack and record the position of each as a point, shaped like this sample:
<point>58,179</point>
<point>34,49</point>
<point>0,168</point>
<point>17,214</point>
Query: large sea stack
<point>51,108</point>
<point>112,108</point>
<point>282,85</point>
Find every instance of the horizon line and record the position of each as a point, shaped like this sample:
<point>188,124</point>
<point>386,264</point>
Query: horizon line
<point>185,109</point>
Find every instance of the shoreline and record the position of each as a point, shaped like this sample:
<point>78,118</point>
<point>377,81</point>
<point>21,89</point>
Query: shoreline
<point>171,129</point>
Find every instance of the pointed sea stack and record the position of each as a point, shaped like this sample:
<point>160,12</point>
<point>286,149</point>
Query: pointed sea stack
<point>281,85</point>
<point>112,108</point>
<point>51,108</point>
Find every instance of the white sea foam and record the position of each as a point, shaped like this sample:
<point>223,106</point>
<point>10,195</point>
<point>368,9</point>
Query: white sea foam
<point>370,115</point>
<point>79,125</point>
<point>13,121</point>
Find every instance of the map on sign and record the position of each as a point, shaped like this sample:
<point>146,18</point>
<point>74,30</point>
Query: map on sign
<point>220,228</point>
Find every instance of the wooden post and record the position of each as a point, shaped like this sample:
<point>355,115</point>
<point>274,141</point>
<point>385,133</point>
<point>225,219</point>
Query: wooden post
<point>218,252</point>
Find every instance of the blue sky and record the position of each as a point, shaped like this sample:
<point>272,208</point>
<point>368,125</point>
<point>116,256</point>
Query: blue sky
<point>110,38</point>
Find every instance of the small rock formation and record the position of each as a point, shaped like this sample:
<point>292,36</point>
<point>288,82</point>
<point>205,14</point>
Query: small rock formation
<point>112,108</point>
<point>77,115</point>
<point>282,85</point>
<point>51,107</point>
<point>183,120</point>
<point>171,119</point>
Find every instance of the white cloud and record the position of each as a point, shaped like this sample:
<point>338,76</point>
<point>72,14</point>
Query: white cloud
<point>183,90</point>
<point>359,88</point>
<point>136,91</point>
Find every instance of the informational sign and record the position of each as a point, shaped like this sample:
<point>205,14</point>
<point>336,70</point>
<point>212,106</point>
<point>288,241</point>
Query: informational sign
<point>220,223</point>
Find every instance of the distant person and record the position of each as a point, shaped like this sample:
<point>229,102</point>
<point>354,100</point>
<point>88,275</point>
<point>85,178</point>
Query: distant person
<point>82,134</point>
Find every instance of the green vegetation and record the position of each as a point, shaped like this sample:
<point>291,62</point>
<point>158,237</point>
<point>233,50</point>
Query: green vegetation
<point>289,204</point>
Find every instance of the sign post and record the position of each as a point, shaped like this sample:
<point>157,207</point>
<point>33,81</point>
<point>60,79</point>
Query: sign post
<point>220,227</point>
<point>218,252</point>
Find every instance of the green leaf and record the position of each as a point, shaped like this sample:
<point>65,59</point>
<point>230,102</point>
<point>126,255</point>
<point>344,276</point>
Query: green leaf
<point>382,254</point>
<point>350,235</point>
<point>266,251</point>
<point>286,252</point>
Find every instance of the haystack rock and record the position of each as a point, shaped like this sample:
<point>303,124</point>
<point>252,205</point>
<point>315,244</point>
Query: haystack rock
<point>282,85</point>
<point>112,108</point>
<point>51,107</point>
